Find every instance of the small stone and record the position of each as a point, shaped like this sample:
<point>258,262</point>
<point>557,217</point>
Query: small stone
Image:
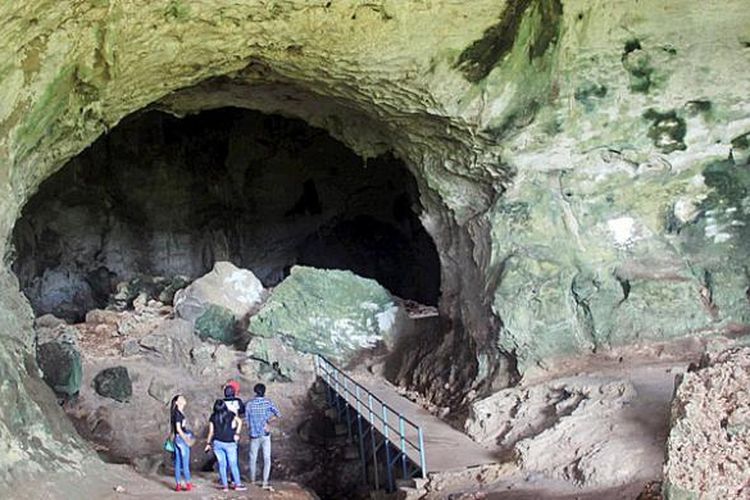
<point>119,489</point>
<point>130,347</point>
<point>114,383</point>
<point>102,316</point>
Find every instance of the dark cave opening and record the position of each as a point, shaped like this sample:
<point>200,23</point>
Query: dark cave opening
<point>166,196</point>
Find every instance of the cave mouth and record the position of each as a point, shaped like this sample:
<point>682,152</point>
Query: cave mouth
<point>166,196</point>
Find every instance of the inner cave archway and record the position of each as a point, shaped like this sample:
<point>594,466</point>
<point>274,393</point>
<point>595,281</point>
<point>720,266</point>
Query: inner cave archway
<point>164,196</point>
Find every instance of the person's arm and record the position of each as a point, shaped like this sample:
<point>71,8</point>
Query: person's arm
<point>210,437</point>
<point>271,418</point>
<point>237,428</point>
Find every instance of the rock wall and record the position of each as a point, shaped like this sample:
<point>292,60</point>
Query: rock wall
<point>709,439</point>
<point>581,163</point>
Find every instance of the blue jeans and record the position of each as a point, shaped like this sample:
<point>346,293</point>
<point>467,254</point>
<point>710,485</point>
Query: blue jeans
<point>226,453</point>
<point>181,460</point>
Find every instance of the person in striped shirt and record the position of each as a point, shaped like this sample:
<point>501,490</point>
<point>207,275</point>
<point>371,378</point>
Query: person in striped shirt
<point>260,412</point>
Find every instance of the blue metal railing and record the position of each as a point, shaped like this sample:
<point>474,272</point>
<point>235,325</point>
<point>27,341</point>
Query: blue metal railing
<point>369,415</point>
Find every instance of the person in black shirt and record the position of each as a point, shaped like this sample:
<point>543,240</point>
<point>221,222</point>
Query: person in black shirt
<point>183,440</point>
<point>224,428</point>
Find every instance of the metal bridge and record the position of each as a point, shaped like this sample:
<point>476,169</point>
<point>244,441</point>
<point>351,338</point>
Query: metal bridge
<point>383,425</point>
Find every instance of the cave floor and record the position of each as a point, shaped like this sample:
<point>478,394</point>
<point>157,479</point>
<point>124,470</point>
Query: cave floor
<point>115,482</point>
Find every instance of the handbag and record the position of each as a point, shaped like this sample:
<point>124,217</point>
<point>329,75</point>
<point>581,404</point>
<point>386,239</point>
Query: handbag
<point>169,442</point>
<point>169,445</point>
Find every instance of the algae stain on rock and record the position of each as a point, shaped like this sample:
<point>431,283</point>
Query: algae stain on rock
<point>667,130</point>
<point>478,59</point>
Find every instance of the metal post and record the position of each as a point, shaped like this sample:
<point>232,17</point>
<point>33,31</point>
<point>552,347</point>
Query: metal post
<point>403,446</point>
<point>388,471</point>
<point>347,405</point>
<point>374,443</point>
<point>422,461</point>
<point>338,394</point>
<point>359,434</point>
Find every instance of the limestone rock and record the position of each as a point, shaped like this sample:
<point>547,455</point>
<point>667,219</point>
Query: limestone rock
<point>226,286</point>
<point>172,340</point>
<point>217,323</point>
<point>575,429</point>
<point>161,390</point>
<point>330,312</point>
<point>114,383</point>
<point>101,316</point>
<point>60,363</point>
<point>708,449</point>
<point>209,358</point>
<point>274,360</point>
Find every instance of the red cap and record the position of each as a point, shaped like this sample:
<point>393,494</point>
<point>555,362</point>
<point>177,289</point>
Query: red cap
<point>234,385</point>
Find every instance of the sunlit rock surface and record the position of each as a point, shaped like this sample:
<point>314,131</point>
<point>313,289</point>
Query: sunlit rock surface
<point>334,313</point>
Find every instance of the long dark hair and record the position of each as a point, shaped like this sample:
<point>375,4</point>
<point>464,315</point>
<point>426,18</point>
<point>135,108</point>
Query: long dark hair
<point>173,409</point>
<point>222,415</point>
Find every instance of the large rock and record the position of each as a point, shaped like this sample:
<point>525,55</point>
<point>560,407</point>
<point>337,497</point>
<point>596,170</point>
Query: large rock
<point>226,286</point>
<point>114,383</point>
<point>275,361</point>
<point>330,312</point>
<point>708,451</point>
<point>60,362</point>
<point>575,429</point>
<point>217,323</point>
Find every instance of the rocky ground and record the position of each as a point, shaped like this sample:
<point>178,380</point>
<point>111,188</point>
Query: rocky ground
<point>579,427</point>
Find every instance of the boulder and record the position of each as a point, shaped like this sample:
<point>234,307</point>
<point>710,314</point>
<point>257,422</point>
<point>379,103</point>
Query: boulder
<point>275,361</point>
<point>171,340</point>
<point>114,383</point>
<point>60,362</point>
<point>210,358</point>
<point>708,449</point>
<point>575,429</point>
<point>226,286</point>
<point>217,323</point>
<point>330,312</point>
<point>103,317</point>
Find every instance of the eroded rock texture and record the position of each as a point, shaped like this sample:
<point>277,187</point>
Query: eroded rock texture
<point>707,451</point>
<point>581,164</point>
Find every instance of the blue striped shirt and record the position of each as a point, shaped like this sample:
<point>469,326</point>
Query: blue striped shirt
<point>257,413</point>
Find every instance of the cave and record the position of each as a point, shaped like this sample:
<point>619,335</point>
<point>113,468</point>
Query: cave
<point>167,196</point>
<point>550,174</point>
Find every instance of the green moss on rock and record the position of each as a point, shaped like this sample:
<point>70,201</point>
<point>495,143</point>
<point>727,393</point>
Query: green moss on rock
<point>60,363</point>
<point>330,312</point>
<point>217,323</point>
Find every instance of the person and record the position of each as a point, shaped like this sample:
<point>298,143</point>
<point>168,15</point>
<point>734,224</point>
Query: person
<point>223,434</point>
<point>183,440</point>
<point>259,413</point>
<point>232,399</point>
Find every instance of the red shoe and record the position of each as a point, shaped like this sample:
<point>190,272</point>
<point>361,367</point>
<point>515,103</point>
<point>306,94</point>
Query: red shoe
<point>178,487</point>
<point>188,486</point>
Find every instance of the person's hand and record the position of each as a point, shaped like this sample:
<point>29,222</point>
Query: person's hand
<point>207,448</point>
<point>236,438</point>
<point>267,428</point>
